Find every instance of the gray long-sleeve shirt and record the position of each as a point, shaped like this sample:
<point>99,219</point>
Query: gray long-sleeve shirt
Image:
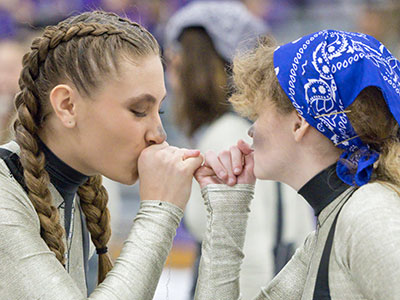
<point>29,270</point>
<point>365,257</point>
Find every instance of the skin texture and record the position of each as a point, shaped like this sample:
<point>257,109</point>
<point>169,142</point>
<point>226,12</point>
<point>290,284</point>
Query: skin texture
<point>114,127</point>
<point>285,148</point>
<point>274,143</point>
<point>233,166</point>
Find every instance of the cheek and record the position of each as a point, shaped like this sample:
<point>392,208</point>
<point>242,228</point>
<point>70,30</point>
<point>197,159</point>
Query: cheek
<point>258,139</point>
<point>257,171</point>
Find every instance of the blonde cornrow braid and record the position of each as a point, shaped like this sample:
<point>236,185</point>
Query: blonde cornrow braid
<point>30,115</point>
<point>93,199</point>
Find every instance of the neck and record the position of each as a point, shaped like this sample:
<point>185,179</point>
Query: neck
<point>307,166</point>
<point>61,147</point>
<point>323,189</point>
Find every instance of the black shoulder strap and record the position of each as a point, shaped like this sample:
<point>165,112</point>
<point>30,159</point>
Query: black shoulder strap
<point>279,208</point>
<point>279,227</point>
<point>321,289</point>
<point>14,165</point>
<point>283,250</point>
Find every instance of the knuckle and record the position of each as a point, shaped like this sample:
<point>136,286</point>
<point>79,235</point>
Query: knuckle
<point>185,170</point>
<point>233,148</point>
<point>224,153</point>
<point>210,153</point>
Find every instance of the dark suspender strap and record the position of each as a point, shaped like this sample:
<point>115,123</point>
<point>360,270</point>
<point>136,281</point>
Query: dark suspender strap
<point>14,165</point>
<point>279,206</point>
<point>279,224</point>
<point>321,289</point>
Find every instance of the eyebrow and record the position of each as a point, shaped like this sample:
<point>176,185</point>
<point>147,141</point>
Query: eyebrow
<point>146,98</point>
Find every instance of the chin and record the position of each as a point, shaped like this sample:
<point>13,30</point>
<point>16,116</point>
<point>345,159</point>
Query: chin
<point>127,180</point>
<point>131,180</point>
<point>257,172</point>
<point>262,174</point>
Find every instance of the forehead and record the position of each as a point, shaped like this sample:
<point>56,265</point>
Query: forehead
<point>143,76</point>
<point>268,109</point>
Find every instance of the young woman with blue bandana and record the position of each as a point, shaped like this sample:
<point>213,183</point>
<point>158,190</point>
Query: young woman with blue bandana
<point>327,112</point>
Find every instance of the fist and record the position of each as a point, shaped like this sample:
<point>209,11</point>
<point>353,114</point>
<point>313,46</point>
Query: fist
<point>166,173</point>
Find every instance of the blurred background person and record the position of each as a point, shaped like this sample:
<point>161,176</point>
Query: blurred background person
<point>202,39</point>
<point>381,19</point>
<point>11,52</point>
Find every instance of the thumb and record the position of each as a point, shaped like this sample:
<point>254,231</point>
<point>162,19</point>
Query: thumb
<point>203,171</point>
<point>193,163</point>
<point>190,153</point>
<point>244,147</point>
<point>249,168</point>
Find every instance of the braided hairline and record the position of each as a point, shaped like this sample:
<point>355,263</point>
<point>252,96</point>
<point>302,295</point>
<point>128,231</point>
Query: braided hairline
<point>50,40</point>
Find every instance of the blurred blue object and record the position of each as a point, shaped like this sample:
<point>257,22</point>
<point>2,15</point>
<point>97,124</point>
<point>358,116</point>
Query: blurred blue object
<point>7,25</point>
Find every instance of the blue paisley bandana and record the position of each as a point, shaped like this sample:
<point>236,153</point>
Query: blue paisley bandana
<point>323,73</point>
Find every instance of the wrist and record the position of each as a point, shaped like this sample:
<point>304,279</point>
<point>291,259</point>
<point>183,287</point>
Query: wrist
<point>159,205</point>
<point>168,196</point>
<point>225,199</point>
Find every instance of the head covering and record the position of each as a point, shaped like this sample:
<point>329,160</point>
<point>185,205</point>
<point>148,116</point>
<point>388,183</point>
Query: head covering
<point>229,24</point>
<point>322,74</point>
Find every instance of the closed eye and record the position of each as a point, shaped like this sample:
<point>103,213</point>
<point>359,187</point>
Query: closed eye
<point>138,113</point>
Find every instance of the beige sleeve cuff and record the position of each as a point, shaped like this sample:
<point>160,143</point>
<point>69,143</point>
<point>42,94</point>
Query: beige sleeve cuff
<point>222,255</point>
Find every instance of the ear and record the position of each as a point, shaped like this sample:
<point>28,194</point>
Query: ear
<point>300,127</point>
<point>63,101</point>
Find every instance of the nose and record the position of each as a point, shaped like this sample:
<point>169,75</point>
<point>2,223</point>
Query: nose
<point>250,132</point>
<point>156,135</point>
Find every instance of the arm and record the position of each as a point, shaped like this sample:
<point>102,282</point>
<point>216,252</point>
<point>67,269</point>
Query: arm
<point>227,211</point>
<point>222,255</point>
<point>29,270</point>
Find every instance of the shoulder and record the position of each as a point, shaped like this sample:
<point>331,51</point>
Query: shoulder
<point>373,199</point>
<point>367,240</point>
<point>224,132</point>
<point>372,214</point>
<point>14,199</point>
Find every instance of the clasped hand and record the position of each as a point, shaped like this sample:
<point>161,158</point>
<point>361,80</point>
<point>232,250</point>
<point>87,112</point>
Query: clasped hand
<point>166,172</point>
<point>233,166</point>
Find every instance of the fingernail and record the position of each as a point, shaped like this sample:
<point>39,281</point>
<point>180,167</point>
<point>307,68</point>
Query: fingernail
<point>222,174</point>
<point>231,181</point>
<point>237,170</point>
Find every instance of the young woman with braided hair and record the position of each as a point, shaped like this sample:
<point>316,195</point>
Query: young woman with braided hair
<point>90,92</point>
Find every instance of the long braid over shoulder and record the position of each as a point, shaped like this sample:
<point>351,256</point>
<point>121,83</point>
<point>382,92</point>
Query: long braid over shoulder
<point>94,200</point>
<point>83,51</point>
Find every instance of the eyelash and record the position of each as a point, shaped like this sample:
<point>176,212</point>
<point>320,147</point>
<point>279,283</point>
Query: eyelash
<point>142,114</point>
